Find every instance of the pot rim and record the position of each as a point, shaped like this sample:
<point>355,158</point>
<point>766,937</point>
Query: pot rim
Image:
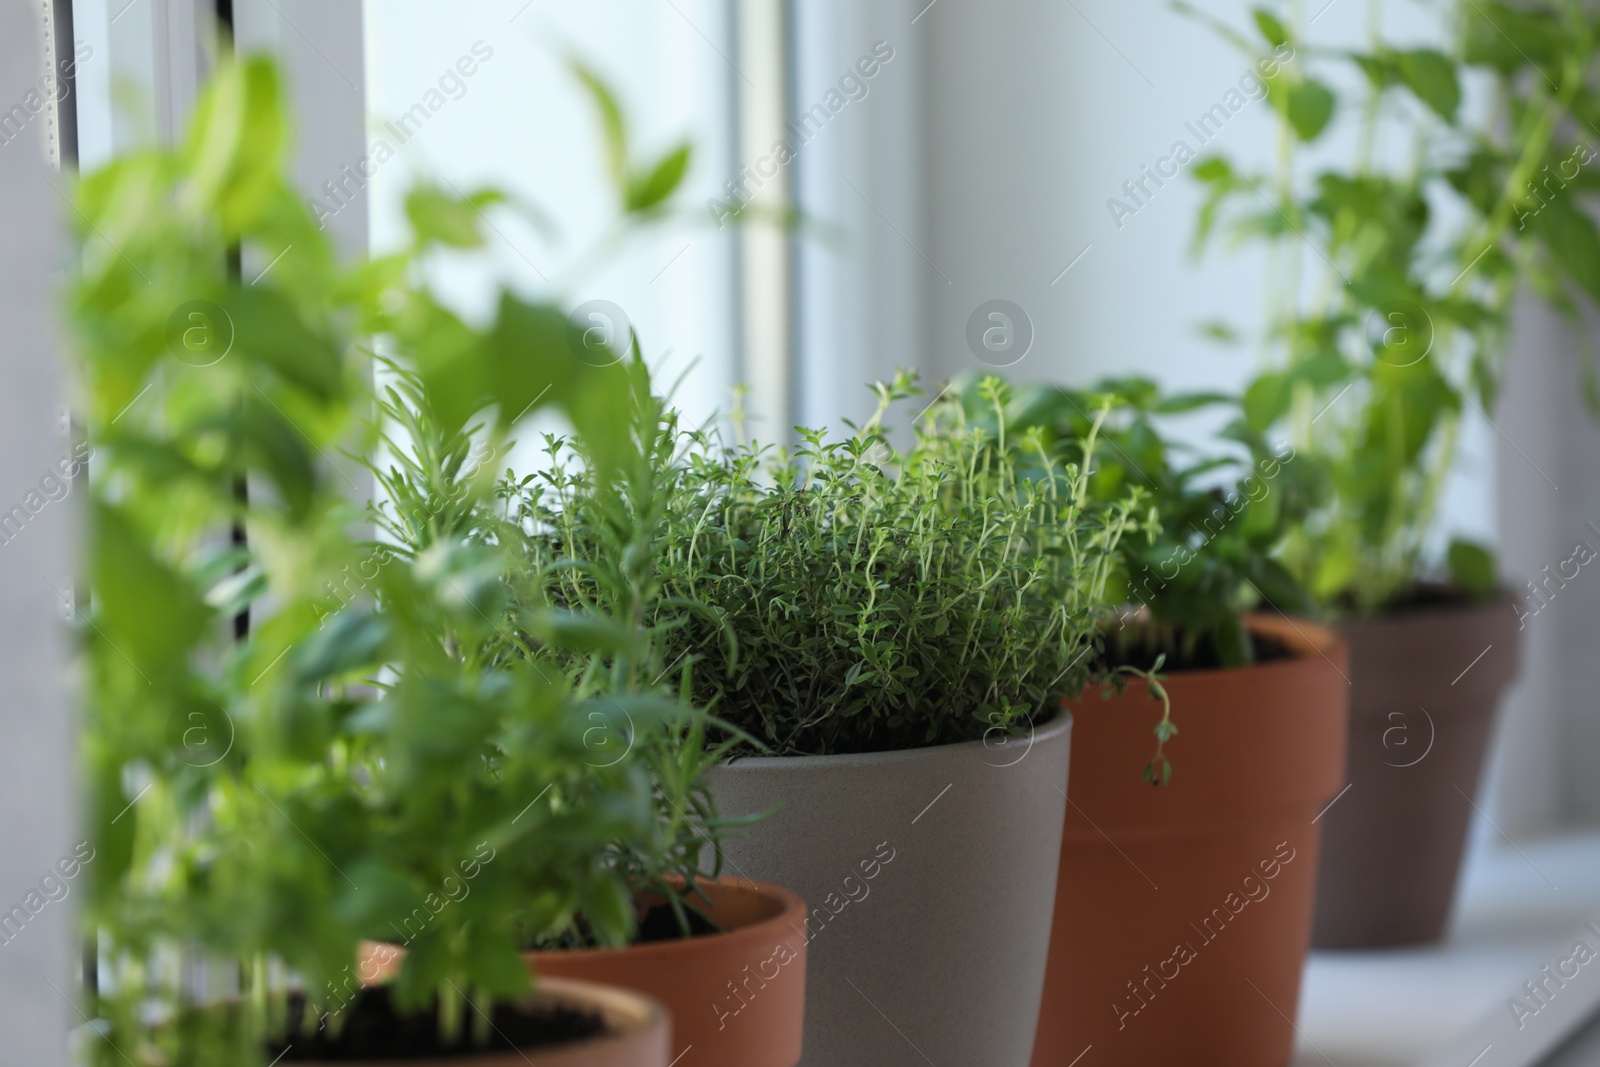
<point>1058,723</point>
<point>1502,598</point>
<point>792,905</point>
<point>1305,639</point>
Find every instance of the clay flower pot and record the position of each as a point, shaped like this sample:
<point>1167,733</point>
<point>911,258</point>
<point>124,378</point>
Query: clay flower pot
<point>1422,710</point>
<point>1183,913</point>
<point>931,877</point>
<point>736,998</point>
<point>637,1033</point>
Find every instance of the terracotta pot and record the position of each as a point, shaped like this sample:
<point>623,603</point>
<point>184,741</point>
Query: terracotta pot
<point>1422,711</point>
<point>1183,913</point>
<point>931,876</point>
<point>737,998</point>
<point>637,1034</point>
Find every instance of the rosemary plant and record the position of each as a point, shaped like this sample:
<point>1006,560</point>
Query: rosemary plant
<point>438,487</point>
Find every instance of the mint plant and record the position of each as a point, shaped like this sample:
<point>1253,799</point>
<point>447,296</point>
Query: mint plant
<point>261,803</point>
<point>1394,270</point>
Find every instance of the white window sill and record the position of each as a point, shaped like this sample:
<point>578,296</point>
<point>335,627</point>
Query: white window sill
<point>1446,1004</point>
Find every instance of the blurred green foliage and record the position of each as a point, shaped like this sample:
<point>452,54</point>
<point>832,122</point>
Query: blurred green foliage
<point>1392,273</point>
<point>267,802</point>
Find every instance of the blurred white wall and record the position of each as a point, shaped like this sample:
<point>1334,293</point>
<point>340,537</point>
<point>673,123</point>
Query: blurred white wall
<point>862,301</point>
<point>522,123</point>
<point>987,177</point>
<point>1549,740</point>
<point>37,769</point>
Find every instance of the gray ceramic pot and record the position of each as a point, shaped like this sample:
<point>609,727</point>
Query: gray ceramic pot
<point>931,878</point>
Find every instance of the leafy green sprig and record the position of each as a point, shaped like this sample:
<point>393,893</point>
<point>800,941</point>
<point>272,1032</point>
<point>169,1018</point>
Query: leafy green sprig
<point>1214,515</point>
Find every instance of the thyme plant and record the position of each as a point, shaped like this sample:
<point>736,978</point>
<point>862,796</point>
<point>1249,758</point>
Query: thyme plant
<point>850,596</point>
<point>1215,514</point>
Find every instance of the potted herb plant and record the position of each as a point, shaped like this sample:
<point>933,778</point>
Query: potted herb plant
<point>271,785</point>
<point>580,535</point>
<point>1376,366</point>
<point>891,629</point>
<point>583,539</point>
<point>1236,718</point>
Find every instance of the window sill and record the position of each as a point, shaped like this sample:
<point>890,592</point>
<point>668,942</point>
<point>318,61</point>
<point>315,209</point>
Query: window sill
<point>1446,1004</point>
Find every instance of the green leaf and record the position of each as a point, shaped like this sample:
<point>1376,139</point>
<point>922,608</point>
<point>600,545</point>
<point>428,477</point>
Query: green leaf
<point>1432,77</point>
<point>436,216</point>
<point>350,641</point>
<point>1232,642</point>
<point>1212,169</point>
<point>147,611</point>
<point>237,143</point>
<point>612,123</point>
<point>1270,27</point>
<point>1472,568</point>
<point>582,632</point>
<point>525,363</point>
<point>1381,69</point>
<point>1179,403</point>
<point>1310,109</point>
<point>1569,235</point>
<point>1324,368</point>
<point>1267,399</point>
<point>269,329</point>
<point>647,192</point>
<point>1508,39</point>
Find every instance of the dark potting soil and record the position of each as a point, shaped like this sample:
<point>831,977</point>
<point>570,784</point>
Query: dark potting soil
<point>1203,656</point>
<point>1424,595</point>
<point>373,1030</point>
<point>660,923</point>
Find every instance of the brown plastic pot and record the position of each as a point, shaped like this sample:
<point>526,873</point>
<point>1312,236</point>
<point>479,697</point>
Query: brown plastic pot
<point>637,1034</point>
<point>1183,913</point>
<point>1428,681</point>
<point>737,998</point>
